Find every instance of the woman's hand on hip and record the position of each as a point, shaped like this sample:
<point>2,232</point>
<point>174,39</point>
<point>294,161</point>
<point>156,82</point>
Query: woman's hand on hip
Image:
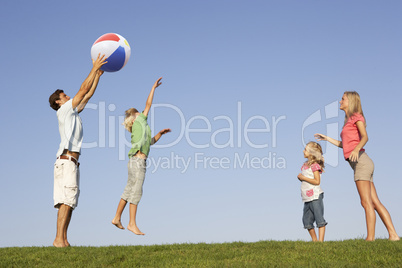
<point>354,156</point>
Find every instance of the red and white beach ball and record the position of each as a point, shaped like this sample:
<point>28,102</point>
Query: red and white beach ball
<point>116,49</point>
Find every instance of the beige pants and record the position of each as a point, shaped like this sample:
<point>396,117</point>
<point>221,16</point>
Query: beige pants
<point>136,175</point>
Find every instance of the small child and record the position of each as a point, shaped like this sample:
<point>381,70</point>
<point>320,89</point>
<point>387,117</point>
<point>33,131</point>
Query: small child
<point>136,124</point>
<point>311,192</point>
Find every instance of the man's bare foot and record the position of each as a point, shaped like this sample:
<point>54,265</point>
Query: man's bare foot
<point>59,244</point>
<point>117,224</point>
<point>135,230</point>
<point>394,238</point>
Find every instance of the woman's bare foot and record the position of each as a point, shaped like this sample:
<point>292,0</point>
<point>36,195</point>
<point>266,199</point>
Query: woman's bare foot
<point>117,224</point>
<point>394,238</point>
<point>59,244</point>
<point>135,230</point>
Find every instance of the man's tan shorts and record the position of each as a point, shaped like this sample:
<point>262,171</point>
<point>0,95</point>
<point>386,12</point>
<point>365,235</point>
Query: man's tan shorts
<point>363,168</point>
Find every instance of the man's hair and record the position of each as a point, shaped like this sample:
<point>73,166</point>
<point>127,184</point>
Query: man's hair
<point>55,97</point>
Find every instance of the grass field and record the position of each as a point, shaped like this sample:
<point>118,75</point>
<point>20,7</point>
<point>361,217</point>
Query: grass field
<point>349,253</point>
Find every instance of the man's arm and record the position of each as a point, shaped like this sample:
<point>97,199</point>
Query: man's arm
<point>89,81</point>
<point>90,93</point>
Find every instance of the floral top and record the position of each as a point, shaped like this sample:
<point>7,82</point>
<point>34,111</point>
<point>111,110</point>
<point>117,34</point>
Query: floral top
<point>310,192</point>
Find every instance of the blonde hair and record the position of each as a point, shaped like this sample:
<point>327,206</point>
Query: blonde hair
<point>355,105</point>
<point>130,116</point>
<point>315,154</point>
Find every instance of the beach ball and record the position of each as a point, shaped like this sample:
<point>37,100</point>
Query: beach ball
<point>116,49</point>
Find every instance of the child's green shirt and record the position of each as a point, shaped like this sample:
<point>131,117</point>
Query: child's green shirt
<point>140,136</point>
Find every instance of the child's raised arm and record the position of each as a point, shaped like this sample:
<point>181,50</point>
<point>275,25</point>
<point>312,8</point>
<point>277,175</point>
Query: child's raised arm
<point>151,96</point>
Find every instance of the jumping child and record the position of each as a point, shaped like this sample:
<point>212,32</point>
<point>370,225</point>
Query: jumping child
<point>136,124</point>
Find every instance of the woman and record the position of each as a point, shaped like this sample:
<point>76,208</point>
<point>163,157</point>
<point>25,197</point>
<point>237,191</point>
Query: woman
<point>353,139</point>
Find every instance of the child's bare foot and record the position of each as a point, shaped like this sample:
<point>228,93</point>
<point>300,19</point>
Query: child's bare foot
<point>394,238</point>
<point>135,230</point>
<point>117,224</point>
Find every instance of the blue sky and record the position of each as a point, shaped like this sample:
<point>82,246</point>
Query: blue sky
<point>243,83</point>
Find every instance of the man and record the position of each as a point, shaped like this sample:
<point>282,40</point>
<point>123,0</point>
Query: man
<point>66,167</point>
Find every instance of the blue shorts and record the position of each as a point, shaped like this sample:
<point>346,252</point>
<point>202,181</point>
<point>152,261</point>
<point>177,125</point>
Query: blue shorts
<point>314,212</point>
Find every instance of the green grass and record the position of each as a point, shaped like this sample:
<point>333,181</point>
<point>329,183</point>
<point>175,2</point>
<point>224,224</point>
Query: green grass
<point>349,253</point>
